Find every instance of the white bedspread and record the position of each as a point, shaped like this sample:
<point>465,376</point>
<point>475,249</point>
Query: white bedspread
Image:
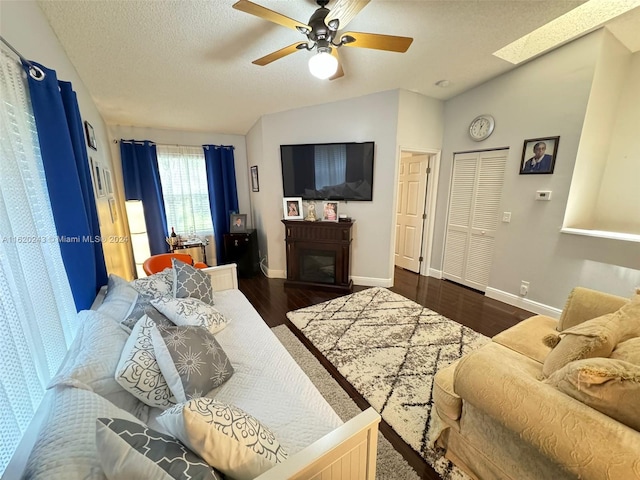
<point>267,382</point>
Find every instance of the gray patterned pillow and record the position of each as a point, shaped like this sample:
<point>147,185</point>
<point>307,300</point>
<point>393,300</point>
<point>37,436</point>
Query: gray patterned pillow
<point>191,360</point>
<point>226,437</point>
<point>143,306</point>
<point>138,371</point>
<point>131,450</point>
<point>191,311</point>
<point>189,281</point>
<point>155,285</point>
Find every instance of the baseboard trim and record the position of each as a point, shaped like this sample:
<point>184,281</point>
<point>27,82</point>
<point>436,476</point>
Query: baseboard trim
<point>273,273</point>
<point>524,303</point>
<point>435,273</point>
<point>373,282</point>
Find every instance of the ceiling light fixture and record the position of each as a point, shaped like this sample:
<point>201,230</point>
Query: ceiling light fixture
<point>442,83</point>
<point>579,21</point>
<point>323,65</point>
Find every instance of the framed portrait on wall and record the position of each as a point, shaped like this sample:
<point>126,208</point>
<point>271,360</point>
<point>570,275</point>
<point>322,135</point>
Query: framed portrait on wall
<point>292,208</point>
<point>539,155</point>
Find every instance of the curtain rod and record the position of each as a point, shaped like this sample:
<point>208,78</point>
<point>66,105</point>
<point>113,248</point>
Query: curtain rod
<point>34,71</point>
<point>173,144</point>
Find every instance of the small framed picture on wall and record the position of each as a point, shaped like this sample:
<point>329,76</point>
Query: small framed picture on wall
<point>292,208</point>
<point>539,155</point>
<point>91,136</point>
<point>255,184</point>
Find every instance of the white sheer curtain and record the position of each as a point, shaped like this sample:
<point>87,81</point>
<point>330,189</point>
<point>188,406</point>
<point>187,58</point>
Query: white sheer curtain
<point>37,314</point>
<point>330,165</point>
<point>186,194</point>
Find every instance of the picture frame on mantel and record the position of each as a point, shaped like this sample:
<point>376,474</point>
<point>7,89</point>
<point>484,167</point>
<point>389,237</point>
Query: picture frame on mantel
<point>292,208</point>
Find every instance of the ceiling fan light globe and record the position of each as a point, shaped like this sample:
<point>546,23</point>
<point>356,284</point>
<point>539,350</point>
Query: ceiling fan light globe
<point>323,65</point>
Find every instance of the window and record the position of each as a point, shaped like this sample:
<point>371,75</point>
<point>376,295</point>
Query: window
<point>184,187</point>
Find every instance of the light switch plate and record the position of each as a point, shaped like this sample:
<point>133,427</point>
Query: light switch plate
<point>506,217</point>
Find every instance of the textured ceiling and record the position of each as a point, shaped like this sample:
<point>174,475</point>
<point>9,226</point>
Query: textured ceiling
<point>186,65</point>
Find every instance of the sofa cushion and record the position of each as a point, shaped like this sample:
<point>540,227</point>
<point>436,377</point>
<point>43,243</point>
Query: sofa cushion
<point>138,371</point>
<point>629,351</point>
<point>226,437</point>
<point>129,450</point>
<point>190,359</point>
<point>595,338</point>
<point>584,304</point>
<point>526,337</point>
<point>609,386</point>
<point>189,281</point>
<point>191,311</point>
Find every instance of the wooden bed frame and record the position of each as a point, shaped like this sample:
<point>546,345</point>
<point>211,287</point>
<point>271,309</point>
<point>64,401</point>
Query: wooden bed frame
<point>347,453</point>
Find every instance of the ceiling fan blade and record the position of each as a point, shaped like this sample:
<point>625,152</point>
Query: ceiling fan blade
<point>263,12</point>
<point>340,72</point>
<point>390,43</point>
<point>344,11</point>
<point>278,54</point>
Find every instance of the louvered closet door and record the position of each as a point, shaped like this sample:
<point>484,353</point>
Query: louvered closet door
<point>474,208</point>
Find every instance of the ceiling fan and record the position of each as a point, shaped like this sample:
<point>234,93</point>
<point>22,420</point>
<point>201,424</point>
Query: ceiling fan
<point>322,35</point>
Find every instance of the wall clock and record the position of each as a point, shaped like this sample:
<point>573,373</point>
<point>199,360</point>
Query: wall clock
<point>481,127</point>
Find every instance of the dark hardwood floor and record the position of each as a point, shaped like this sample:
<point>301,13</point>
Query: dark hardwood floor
<point>461,304</point>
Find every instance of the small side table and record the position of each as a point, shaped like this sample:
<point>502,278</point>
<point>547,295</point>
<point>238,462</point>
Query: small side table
<point>194,248</point>
<point>242,249</point>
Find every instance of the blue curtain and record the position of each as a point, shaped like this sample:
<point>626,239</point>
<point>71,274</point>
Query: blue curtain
<point>142,182</point>
<point>223,192</point>
<point>66,167</point>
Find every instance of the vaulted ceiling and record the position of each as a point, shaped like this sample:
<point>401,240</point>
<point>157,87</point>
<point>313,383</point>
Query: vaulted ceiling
<point>186,65</point>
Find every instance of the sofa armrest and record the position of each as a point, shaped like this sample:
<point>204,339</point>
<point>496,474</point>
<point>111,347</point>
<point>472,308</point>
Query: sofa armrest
<point>584,304</point>
<point>504,385</point>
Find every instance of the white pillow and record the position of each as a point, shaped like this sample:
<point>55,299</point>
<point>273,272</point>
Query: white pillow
<point>66,445</point>
<point>226,437</point>
<point>138,371</point>
<point>155,285</point>
<point>128,450</point>
<point>93,356</point>
<point>191,311</point>
<point>120,295</point>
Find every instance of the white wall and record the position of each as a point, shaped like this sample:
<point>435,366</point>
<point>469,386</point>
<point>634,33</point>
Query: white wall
<point>369,118</point>
<point>545,97</point>
<point>173,137</point>
<point>24,26</point>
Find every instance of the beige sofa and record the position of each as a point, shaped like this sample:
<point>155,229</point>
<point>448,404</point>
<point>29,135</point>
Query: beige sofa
<point>501,418</point>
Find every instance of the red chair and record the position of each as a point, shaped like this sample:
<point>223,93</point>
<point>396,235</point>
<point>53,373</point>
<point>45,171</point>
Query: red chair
<point>158,263</point>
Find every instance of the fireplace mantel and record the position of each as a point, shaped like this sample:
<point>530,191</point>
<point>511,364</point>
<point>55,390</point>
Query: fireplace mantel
<point>318,254</point>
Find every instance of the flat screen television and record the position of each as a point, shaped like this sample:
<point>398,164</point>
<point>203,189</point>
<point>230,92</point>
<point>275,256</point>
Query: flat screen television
<point>328,171</point>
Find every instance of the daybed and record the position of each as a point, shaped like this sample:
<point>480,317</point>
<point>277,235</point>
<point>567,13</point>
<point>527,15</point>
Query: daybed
<point>519,409</point>
<point>298,434</point>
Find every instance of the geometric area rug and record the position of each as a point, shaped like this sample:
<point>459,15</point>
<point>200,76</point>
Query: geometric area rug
<point>389,348</point>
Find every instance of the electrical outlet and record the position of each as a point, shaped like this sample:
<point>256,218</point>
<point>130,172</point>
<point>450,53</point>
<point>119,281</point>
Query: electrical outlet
<point>524,288</point>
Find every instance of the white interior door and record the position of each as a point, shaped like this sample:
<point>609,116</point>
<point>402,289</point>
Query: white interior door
<point>412,188</point>
<point>474,209</point>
